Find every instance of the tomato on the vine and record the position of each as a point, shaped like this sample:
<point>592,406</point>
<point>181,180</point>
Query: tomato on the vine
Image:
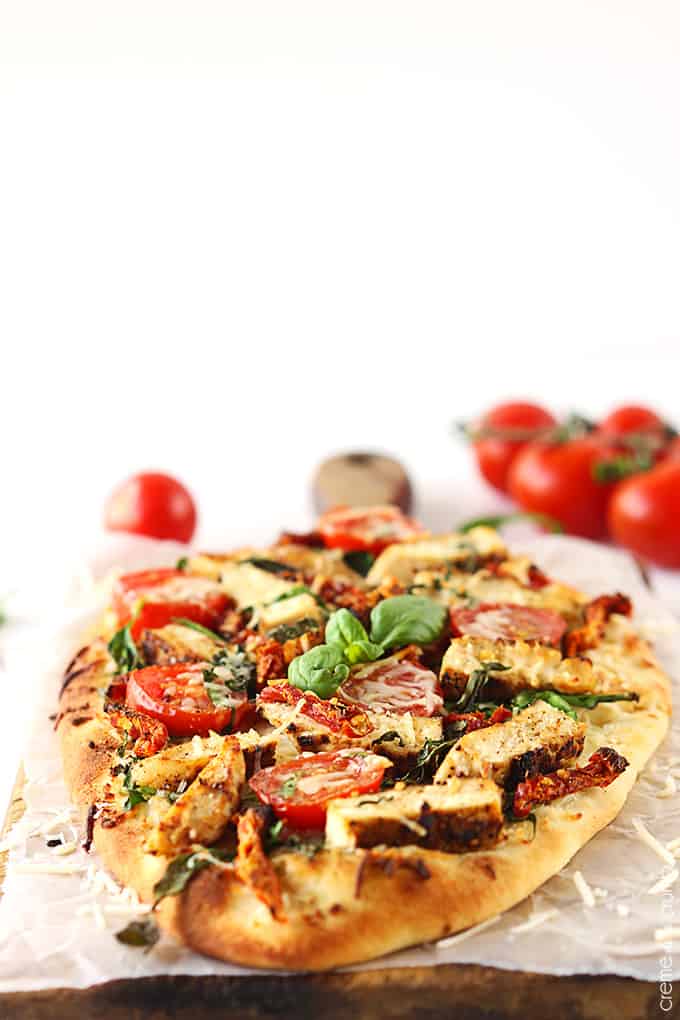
<point>644,515</point>
<point>502,433</point>
<point>559,480</point>
<point>632,419</point>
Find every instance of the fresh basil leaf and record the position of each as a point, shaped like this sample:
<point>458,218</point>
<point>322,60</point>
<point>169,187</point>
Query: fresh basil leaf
<point>475,686</point>
<point>406,619</point>
<point>123,651</point>
<point>271,566</point>
<point>359,560</point>
<point>199,628</point>
<point>183,868</point>
<point>321,670</point>
<point>182,563</point>
<point>288,631</point>
<point>344,630</point>
<point>143,933</point>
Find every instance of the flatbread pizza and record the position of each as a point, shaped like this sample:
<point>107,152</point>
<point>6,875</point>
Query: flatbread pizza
<point>351,741</point>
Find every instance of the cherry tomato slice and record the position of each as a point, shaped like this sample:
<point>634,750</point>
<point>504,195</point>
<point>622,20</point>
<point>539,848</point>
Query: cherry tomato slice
<point>393,685</point>
<point>506,621</point>
<point>177,695</point>
<point>370,528</point>
<point>299,790</point>
<point>168,594</point>
<point>152,504</point>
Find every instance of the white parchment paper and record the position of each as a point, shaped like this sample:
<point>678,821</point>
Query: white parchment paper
<point>58,930</point>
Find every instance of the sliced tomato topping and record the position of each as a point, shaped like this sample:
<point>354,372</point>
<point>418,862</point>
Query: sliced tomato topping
<point>299,790</point>
<point>509,622</point>
<point>370,528</point>
<point>156,597</point>
<point>178,696</point>
<point>336,715</point>
<point>393,685</point>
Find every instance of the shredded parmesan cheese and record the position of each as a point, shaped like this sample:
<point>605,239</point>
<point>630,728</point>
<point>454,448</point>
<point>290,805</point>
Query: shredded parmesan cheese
<point>670,789</point>
<point>283,726</point>
<point>652,842</point>
<point>586,893</point>
<point>666,882</point>
<point>534,922</point>
<point>453,940</point>
<point>622,909</point>
<point>48,867</point>
<point>666,934</point>
<point>673,845</point>
<point>65,849</point>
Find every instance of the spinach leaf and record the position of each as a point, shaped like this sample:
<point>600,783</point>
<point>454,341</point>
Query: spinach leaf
<point>347,633</point>
<point>135,794</point>
<point>321,670</point>
<point>567,702</point>
<point>475,687</point>
<point>182,563</point>
<point>299,589</point>
<point>388,738</point>
<point>429,759</point>
<point>288,631</point>
<point>142,933</point>
<point>183,868</point>
<point>406,619</point>
<point>359,560</point>
<point>231,669</point>
<point>199,628</point>
<point>271,566</point>
<point>123,651</point>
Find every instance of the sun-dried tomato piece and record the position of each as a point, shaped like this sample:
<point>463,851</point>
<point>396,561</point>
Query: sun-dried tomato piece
<point>253,867</point>
<point>148,735</point>
<point>336,715</point>
<point>601,769</point>
<point>596,615</point>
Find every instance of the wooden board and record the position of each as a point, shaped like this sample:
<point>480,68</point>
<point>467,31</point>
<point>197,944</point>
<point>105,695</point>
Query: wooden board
<point>460,991</point>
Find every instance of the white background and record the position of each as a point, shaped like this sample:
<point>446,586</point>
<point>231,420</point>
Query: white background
<point>237,236</point>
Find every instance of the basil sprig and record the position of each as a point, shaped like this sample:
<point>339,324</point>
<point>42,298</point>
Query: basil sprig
<point>143,933</point>
<point>183,868</point>
<point>568,702</point>
<point>395,622</point>
<point>321,670</point>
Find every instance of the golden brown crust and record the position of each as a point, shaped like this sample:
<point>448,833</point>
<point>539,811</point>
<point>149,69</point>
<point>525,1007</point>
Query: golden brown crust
<point>341,907</point>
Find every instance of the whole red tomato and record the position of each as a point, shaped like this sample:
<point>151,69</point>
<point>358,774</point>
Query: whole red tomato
<point>504,431</point>
<point>644,515</point>
<point>558,479</point>
<point>632,418</point>
<point>152,504</point>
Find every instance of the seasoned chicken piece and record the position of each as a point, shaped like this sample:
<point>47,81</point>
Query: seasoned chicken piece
<point>398,737</point>
<point>404,559</point>
<point>289,611</point>
<point>177,643</point>
<point>537,739</point>
<point>202,813</point>
<point>181,763</point>
<point>465,814</point>
<point>529,666</point>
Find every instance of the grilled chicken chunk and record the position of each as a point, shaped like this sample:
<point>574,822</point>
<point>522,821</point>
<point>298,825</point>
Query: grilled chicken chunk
<point>529,666</point>
<point>398,737</point>
<point>202,813</point>
<point>465,814</point>
<point>180,763</point>
<point>176,643</point>
<point>537,739</point>
<point>403,560</point>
